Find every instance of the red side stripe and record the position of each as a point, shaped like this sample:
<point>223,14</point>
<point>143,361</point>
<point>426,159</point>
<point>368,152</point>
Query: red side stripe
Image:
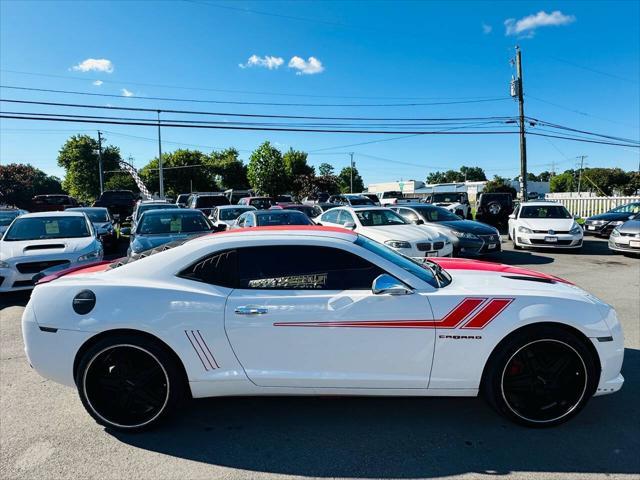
<point>486,314</point>
<point>459,313</point>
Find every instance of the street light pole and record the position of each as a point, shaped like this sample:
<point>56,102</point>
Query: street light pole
<point>161,176</point>
<point>351,174</point>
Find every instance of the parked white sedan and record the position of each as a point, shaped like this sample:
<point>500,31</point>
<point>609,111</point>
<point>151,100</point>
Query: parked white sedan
<point>544,225</point>
<point>308,310</point>
<point>386,226</point>
<point>39,241</point>
<point>223,216</point>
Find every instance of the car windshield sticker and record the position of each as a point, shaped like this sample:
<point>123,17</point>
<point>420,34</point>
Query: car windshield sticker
<point>317,280</point>
<point>176,224</point>
<point>52,227</point>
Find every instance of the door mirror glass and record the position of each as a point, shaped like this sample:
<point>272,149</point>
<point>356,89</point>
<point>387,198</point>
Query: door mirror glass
<point>419,221</point>
<point>349,225</point>
<point>386,284</point>
<point>125,231</point>
<point>512,215</point>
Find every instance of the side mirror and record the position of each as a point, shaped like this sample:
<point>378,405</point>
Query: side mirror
<point>116,217</point>
<point>512,215</point>
<point>318,223</point>
<point>128,219</point>
<point>220,228</point>
<point>419,221</point>
<point>349,225</point>
<point>125,231</point>
<point>386,284</point>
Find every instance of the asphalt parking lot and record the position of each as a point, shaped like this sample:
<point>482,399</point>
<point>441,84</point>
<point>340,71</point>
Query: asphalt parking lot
<point>45,432</point>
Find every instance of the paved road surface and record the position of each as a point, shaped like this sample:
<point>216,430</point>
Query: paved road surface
<point>45,433</point>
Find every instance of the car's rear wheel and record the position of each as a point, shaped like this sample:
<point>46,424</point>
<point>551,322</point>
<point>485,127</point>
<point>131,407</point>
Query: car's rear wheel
<point>128,383</point>
<point>541,377</point>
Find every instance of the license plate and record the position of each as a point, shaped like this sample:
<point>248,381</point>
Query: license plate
<point>634,243</point>
<point>491,246</point>
<point>551,239</point>
<point>431,254</point>
<point>591,227</point>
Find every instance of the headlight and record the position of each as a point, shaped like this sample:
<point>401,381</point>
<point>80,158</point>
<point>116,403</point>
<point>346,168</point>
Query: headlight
<point>614,233</point>
<point>4,264</point>
<point>524,230</point>
<point>95,255</point>
<point>575,229</point>
<point>464,234</point>
<point>397,244</point>
<point>618,222</point>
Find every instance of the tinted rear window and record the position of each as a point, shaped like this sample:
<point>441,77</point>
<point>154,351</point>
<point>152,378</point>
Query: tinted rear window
<point>211,201</point>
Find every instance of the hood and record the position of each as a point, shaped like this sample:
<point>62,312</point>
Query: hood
<point>26,248</point>
<point>469,226</point>
<point>632,226</point>
<point>100,226</point>
<point>611,216</point>
<point>409,233</point>
<point>141,243</point>
<point>557,224</point>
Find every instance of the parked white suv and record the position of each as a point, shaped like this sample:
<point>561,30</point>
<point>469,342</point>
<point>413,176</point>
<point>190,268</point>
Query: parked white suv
<point>386,226</point>
<point>544,225</point>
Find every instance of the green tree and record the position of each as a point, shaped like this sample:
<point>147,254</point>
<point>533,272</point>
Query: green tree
<point>194,170</point>
<point>325,169</point>
<point>19,183</point>
<point>295,163</point>
<point>120,181</point>
<point>607,181</point>
<point>79,157</point>
<point>473,174</point>
<point>266,171</point>
<point>633,187</point>
<point>563,182</point>
<point>309,185</point>
<point>499,185</point>
<point>228,169</point>
<point>344,179</point>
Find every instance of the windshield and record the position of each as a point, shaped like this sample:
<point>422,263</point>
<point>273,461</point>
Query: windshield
<point>545,211</point>
<point>183,197</point>
<point>154,206</point>
<point>40,228</point>
<point>232,213</point>
<point>392,195</point>
<point>359,200</point>
<point>447,197</point>
<point>379,218</point>
<point>630,208</point>
<point>173,222</point>
<point>288,217</point>
<point>261,203</point>
<point>7,217</point>
<point>427,272</point>
<point>111,196</point>
<point>96,216</point>
<point>211,201</point>
<point>436,214</point>
<point>309,211</point>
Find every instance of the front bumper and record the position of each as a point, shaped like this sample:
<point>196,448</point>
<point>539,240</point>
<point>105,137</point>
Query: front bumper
<point>624,244</point>
<point>542,240</point>
<point>486,244</point>
<point>599,229</point>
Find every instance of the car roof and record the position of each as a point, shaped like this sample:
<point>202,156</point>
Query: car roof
<point>277,211</point>
<point>226,207</point>
<point>64,213</point>
<point>540,204</point>
<point>163,211</point>
<point>285,231</point>
<point>361,207</point>
<point>85,209</point>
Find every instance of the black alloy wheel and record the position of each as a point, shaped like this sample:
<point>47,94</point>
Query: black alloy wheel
<point>128,385</point>
<point>540,377</point>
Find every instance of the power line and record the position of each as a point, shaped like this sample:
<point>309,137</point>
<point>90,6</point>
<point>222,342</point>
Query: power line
<point>594,70</point>
<point>579,112</point>
<point>270,104</point>
<point>242,92</point>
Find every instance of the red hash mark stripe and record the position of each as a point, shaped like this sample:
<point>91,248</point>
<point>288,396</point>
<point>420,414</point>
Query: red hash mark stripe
<point>478,310</point>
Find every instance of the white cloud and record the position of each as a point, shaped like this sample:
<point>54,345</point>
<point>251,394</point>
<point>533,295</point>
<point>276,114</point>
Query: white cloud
<point>486,29</point>
<point>97,83</point>
<point>94,65</point>
<point>267,61</point>
<point>126,93</point>
<point>527,26</point>
<point>310,66</point>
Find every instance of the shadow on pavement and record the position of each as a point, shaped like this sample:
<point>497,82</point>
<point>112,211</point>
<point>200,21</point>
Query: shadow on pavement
<point>14,299</point>
<point>399,437</point>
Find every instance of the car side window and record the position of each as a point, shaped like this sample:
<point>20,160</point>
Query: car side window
<point>249,222</point>
<point>302,267</point>
<point>409,215</point>
<point>344,217</point>
<point>217,269</point>
<point>241,220</point>
<point>331,216</point>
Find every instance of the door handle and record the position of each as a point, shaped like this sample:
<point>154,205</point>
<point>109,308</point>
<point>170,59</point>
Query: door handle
<point>251,310</point>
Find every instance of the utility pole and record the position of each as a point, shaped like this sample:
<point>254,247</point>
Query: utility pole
<point>351,174</point>
<point>523,140</point>
<point>160,176</point>
<point>581,157</point>
<point>100,167</point>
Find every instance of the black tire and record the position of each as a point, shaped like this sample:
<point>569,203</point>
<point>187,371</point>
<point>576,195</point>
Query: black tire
<point>540,377</point>
<point>494,208</point>
<point>129,383</point>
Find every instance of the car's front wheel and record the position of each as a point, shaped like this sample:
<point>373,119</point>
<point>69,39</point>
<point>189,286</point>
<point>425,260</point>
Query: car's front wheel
<point>128,383</point>
<point>540,377</point>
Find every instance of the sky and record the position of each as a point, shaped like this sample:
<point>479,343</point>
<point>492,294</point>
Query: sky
<point>581,66</point>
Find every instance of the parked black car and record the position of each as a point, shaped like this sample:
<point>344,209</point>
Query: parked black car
<point>468,237</point>
<point>603,224</point>
<point>494,208</point>
<point>120,203</point>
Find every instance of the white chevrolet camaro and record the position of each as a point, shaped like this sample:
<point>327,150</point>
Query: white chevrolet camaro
<point>309,310</point>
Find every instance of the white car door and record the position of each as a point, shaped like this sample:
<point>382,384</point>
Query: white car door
<point>512,223</point>
<point>304,315</point>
